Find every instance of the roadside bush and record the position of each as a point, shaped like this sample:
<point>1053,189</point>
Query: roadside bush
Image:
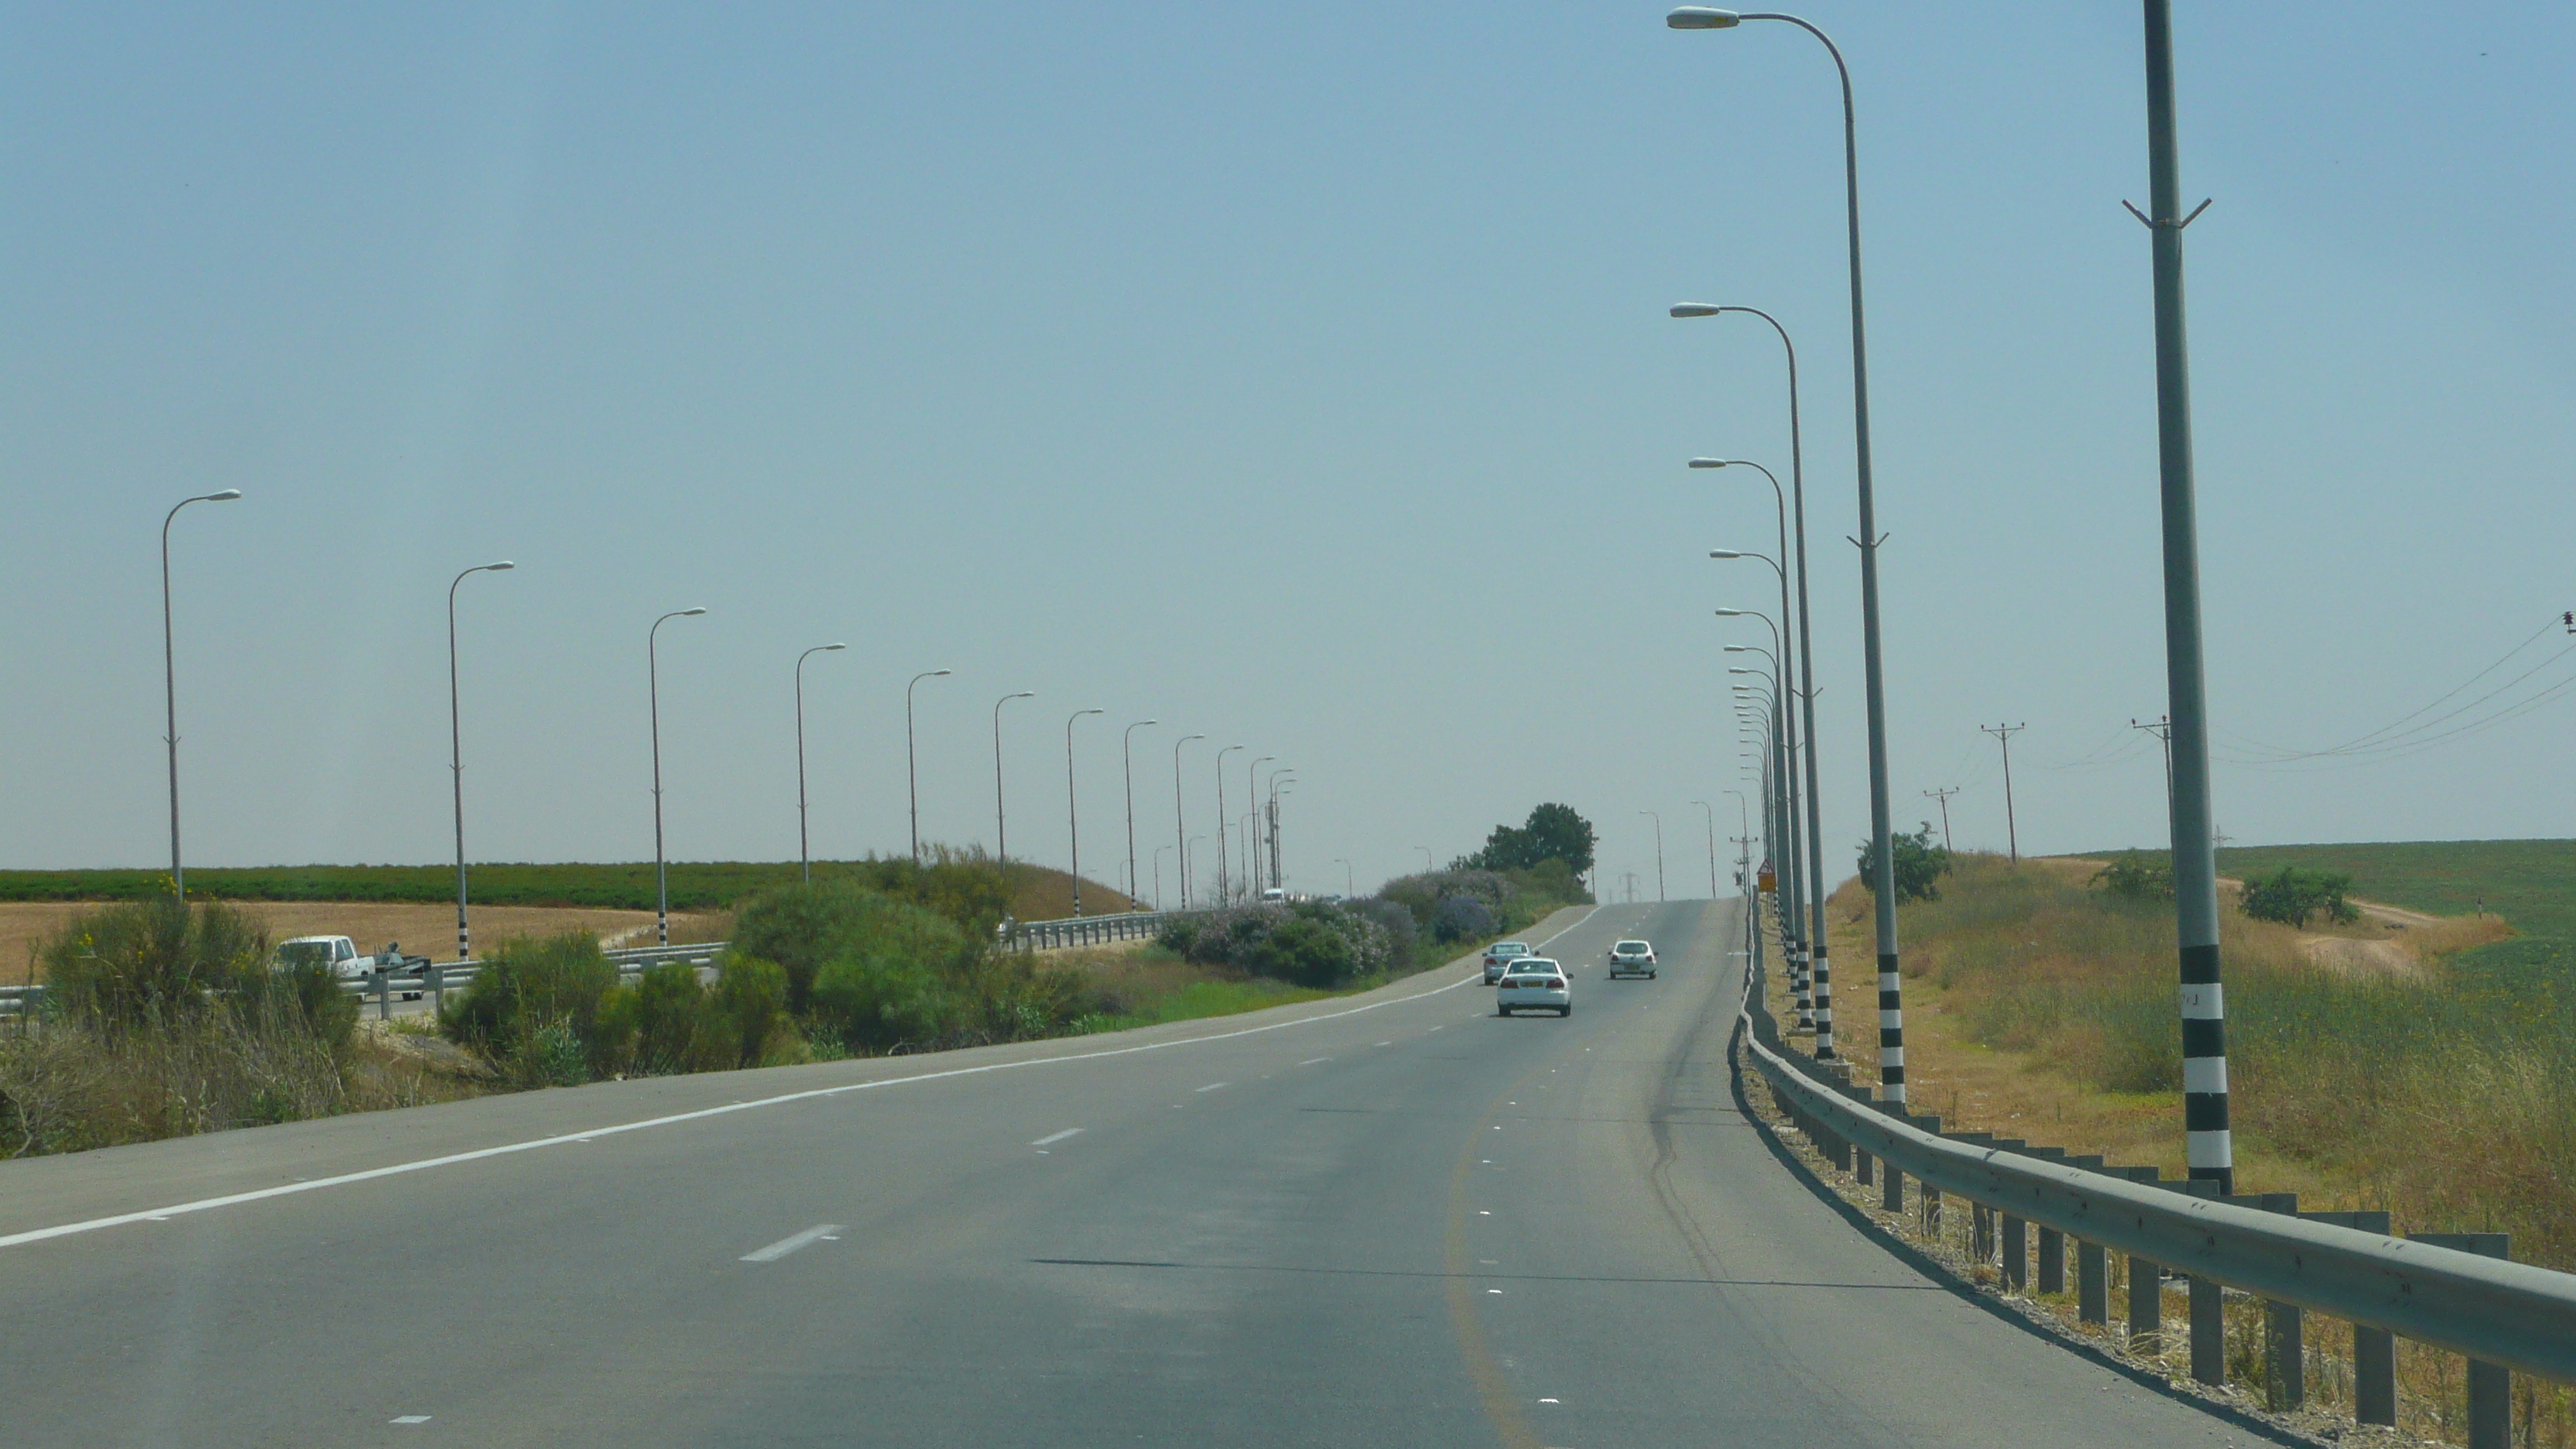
<point>801,927</point>
<point>2134,877</point>
<point>749,1015</point>
<point>2293,895</point>
<point>1919,864</point>
<point>1423,894</point>
<point>1461,918</point>
<point>1401,929</point>
<point>1309,943</point>
<point>156,959</point>
<point>535,1008</point>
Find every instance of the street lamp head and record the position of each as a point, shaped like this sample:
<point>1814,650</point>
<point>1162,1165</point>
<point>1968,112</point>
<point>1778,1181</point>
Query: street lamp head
<point>828,648</point>
<point>1185,739</point>
<point>227,496</point>
<point>503,567</point>
<point>1731,613</point>
<point>1724,553</point>
<point>1696,309</point>
<point>1079,713</point>
<point>1711,462</point>
<point>691,613</point>
<point>1742,649</point>
<point>934,674</point>
<point>1740,669</point>
<point>1023,694</point>
<point>1702,17</point>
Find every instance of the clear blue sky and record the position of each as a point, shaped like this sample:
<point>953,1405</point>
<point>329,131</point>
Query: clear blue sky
<point>1297,376</point>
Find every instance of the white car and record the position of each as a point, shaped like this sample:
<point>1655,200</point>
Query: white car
<point>338,953</point>
<point>1632,958</point>
<point>1534,983</point>
<point>1502,954</point>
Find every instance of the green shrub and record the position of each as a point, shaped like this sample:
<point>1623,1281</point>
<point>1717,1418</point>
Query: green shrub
<point>2135,877</point>
<point>534,1008</point>
<point>154,959</point>
<point>1919,864</point>
<point>749,1011</point>
<point>2293,895</point>
<point>801,927</point>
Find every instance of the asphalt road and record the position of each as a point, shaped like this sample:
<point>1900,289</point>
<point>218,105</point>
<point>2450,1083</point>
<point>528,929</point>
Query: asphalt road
<point>1390,1220</point>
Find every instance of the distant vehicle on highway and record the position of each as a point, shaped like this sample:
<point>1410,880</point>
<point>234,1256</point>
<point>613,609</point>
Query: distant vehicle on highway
<point>338,953</point>
<point>1502,954</point>
<point>1534,983</point>
<point>1633,958</point>
<point>1274,897</point>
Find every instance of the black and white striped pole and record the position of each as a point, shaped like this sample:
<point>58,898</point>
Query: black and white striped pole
<point>2208,1147</point>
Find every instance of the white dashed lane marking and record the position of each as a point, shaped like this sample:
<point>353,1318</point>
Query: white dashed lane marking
<point>820,1232</point>
<point>1057,1137</point>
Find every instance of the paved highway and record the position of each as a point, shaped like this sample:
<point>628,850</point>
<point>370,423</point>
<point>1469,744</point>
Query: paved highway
<point>1391,1220</point>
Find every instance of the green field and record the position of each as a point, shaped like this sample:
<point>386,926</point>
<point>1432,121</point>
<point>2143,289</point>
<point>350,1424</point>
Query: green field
<point>2531,883</point>
<point>695,885</point>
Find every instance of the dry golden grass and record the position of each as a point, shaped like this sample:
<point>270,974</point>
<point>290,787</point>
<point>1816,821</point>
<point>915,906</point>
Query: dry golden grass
<point>423,930</point>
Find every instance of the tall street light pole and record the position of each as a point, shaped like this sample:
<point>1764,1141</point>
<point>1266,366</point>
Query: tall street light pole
<point>1180,818</point>
<point>1224,891</point>
<point>1267,851</point>
<point>1158,875</point>
<point>1127,757</point>
<point>1711,812</point>
<point>170,680</point>
<point>653,692</point>
<point>1001,821</point>
<point>1806,635</point>
<point>1072,818</point>
<point>2209,1145</point>
<point>1882,853</point>
<point>1659,852</point>
<point>1796,884</point>
<point>911,772</point>
<point>456,748</point>
<point>804,846</point>
<point>1350,881</point>
<point>1252,802</point>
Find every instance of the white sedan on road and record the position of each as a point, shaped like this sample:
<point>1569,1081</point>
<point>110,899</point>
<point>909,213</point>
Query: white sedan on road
<point>1534,983</point>
<point>1633,958</point>
<point>1502,954</point>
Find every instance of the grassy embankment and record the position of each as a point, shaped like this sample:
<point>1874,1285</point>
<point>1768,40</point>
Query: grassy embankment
<point>2430,1073</point>
<point>2426,1085</point>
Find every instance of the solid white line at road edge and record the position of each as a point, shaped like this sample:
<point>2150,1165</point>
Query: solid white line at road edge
<point>785,1246</point>
<point>1057,1137</point>
<point>287,1189</point>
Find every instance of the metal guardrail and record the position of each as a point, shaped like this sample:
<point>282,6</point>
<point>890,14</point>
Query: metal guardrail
<point>1086,930</point>
<point>421,976</point>
<point>2432,1288</point>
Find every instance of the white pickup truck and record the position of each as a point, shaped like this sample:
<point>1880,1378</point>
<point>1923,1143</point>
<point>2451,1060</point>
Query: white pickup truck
<point>339,953</point>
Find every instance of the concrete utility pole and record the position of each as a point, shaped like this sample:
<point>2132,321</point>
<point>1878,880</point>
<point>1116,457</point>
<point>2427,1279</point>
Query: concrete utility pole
<point>2162,728</point>
<point>1711,813</point>
<point>2209,1147</point>
<point>1943,795</point>
<point>2004,733</point>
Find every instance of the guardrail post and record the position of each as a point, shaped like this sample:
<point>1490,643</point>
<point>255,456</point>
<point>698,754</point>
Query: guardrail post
<point>2208,1330</point>
<point>1981,1232</point>
<point>1864,1167</point>
<point>2092,1283</point>
<point>2146,1307</point>
<point>2490,1384</point>
<point>384,995</point>
<point>1891,1194</point>
<point>437,975</point>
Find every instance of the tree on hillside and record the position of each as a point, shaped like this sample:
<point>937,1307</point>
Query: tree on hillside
<point>1553,832</point>
<point>1919,864</point>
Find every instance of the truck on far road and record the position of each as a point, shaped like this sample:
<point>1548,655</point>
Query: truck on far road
<point>338,953</point>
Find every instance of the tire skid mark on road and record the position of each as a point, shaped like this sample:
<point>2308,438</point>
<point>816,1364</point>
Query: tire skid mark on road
<point>479,1154</point>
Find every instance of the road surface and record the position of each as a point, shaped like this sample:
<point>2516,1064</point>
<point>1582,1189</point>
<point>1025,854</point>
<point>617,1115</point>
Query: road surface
<point>1387,1220</point>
